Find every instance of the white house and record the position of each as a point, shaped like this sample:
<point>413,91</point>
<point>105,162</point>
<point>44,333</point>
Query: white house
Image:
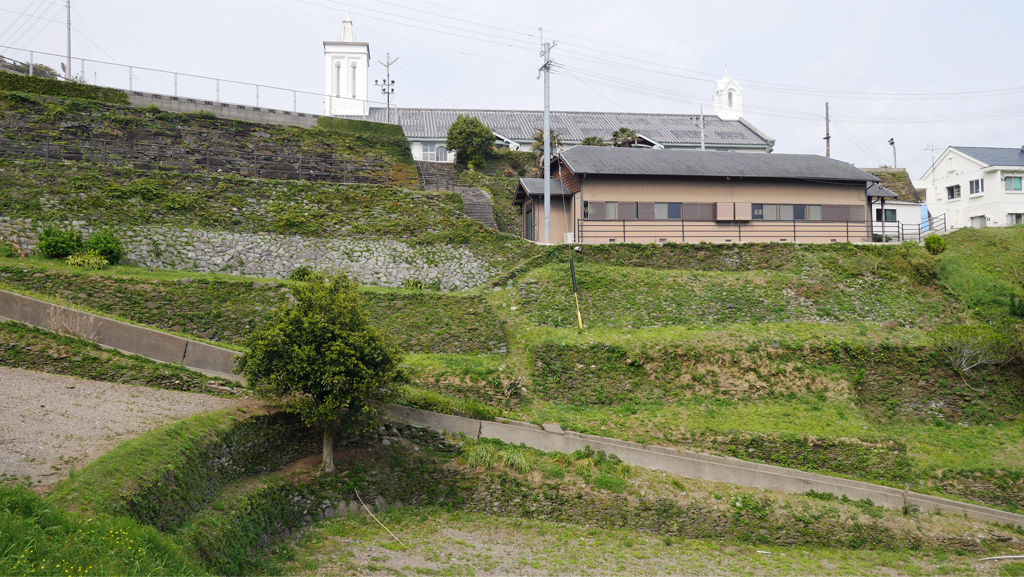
<point>347,81</point>
<point>977,186</point>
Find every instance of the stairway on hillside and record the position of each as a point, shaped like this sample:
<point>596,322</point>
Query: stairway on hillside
<point>436,176</point>
<point>477,205</point>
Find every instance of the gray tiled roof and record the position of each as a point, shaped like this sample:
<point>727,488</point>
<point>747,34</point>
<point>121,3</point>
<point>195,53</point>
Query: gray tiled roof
<point>535,186</point>
<point>994,156</point>
<point>645,161</point>
<point>520,125</point>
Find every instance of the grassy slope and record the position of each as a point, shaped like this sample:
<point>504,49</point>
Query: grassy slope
<point>984,267</point>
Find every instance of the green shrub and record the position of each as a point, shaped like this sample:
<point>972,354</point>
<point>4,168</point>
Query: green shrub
<point>935,244</point>
<point>1016,308</point>
<point>301,274</point>
<point>438,403</point>
<point>20,98</point>
<point>6,249</point>
<point>966,347</point>
<point>57,242</point>
<point>88,259</point>
<point>106,244</point>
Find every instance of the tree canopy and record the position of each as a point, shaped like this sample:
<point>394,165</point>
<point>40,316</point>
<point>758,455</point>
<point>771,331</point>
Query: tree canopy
<point>538,143</point>
<point>470,138</point>
<point>322,360</point>
<point>624,137</point>
<point>593,141</point>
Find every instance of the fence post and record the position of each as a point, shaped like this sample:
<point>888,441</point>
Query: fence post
<point>257,96</point>
<point>175,84</point>
<point>847,231</point>
<point>31,62</point>
<point>129,79</point>
<point>682,228</point>
<point>794,230</point>
<point>623,231</point>
<point>218,89</point>
<point>295,102</point>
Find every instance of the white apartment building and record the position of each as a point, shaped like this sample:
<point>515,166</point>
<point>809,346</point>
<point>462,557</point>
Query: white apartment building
<point>976,186</point>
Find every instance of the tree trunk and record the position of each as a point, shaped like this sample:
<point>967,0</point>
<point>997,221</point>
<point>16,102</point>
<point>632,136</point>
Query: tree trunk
<point>328,465</point>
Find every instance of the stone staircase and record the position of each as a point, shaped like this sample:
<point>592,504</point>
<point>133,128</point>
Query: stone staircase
<point>477,205</point>
<point>436,176</point>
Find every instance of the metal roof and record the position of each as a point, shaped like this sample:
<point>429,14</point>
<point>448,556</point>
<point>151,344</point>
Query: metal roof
<point>520,125</point>
<point>535,186</point>
<point>651,162</point>
<point>994,156</point>
<point>876,190</point>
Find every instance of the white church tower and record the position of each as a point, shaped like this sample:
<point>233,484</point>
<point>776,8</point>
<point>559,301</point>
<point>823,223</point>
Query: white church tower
<point>346,68</point>
<point>728,98</point>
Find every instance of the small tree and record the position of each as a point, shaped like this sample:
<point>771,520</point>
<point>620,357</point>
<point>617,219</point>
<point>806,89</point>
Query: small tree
<point>469,138</point>
<point>624,137</point>
<point>537,148</point>
<point>323,361</point>
<point>593,141</point>
<point>968,346</point>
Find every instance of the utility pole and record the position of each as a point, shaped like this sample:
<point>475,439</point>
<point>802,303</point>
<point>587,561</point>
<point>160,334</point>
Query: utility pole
<point>828,137</point>
<point>546,69</point>
<point>892,143</point>
<point>388,88</point>
<point>67,73</point>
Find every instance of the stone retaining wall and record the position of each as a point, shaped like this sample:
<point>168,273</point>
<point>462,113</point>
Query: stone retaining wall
<point>385,262</point>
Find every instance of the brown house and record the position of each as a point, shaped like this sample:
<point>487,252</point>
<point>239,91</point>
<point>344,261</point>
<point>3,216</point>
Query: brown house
<point>607,194</point>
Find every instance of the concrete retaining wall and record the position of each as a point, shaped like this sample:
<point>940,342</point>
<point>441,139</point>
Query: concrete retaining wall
<point>222,109</point>
<point>125,337</point>
<point>699,465</point>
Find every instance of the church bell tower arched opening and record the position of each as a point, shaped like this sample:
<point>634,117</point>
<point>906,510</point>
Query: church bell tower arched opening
<point>728,98</point>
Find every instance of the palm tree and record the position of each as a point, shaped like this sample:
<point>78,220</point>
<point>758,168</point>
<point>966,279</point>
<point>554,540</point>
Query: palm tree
<point>538,143</point>
<point>624,137</point>
<point>593,141</point>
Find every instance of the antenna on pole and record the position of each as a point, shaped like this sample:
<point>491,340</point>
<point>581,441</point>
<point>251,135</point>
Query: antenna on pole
<point>828,137</point>
<point>388,88</point>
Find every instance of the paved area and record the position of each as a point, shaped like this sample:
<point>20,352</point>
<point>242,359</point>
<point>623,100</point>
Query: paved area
<point>49,423</point>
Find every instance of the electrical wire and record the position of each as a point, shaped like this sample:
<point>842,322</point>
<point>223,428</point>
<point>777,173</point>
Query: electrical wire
<point>19,33</point>
<point>857,142</point>
<point>23,14</point>
<point>427,86</point>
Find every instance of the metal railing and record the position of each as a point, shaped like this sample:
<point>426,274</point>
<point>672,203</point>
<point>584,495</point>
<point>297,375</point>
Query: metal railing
<point>169,82</point>
<point>143,155</point>
<point>915,232</point>
<point>647,231</point>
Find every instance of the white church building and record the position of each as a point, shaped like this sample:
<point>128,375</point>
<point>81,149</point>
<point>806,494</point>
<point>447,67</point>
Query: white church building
<point>346,72</point>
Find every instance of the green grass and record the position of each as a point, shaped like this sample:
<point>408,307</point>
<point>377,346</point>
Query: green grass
<point>34,349</point>
<point>38,538</point>
<point>99,487</point>
<point>984,267</point>
<point>459,543</point>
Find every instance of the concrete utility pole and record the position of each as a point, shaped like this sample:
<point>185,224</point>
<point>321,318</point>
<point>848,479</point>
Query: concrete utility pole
<point>67,73</point>
<point>892,143</point>
<point>388,88</point>
<point>828,137</point>
<point>546,69</point>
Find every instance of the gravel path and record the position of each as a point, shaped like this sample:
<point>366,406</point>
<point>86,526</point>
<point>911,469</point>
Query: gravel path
<point>50,422</point>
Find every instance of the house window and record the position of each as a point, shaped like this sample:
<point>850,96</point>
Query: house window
<point>757,212</point>
<point>785,212</point>
<point>770,211</point>
<point>814,212</point>
<point>1015,218</point>
<point>611,210</point>
<point>434,152</point>
<point>1013,184</point>
<point>977,186</point>
<point>890,215</point>
<point>627,210</point>
<point>529,225</point>
<point>953,192</point>
<point>977,222</point>
<point>668,210</point>
<point>337,80</point>
<point>800,212</point>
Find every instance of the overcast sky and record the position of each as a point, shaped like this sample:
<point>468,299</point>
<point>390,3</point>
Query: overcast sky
<point>922,73</point>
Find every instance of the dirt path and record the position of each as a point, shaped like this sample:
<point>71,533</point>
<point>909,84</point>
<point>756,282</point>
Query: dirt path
<point>50,422</point>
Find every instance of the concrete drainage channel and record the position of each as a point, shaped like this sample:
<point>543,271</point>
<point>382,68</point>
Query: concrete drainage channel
<point>128,338</point>
<point>699,465</point>
<point>217,361</point>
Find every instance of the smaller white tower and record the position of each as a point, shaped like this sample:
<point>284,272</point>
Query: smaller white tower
<point>346,66</point>
<point>728,98</point>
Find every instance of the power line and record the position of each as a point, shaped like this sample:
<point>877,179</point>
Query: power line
<point>427,86</point>
<point>23,14</point>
